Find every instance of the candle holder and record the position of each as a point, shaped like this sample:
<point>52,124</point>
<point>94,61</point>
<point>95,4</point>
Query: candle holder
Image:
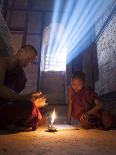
<point>51,128</point>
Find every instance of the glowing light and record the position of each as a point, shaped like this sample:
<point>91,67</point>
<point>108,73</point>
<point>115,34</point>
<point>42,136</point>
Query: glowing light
<point>53,117</point>
<point>57,63</point>
<point>74,32</point>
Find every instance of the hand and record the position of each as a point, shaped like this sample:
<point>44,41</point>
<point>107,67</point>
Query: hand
<point>68,122</point>
<point>37,98</point>
<point>84,116</point>
<point>40,102</point>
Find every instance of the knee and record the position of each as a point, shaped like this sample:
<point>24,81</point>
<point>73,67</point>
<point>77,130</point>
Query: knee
<point>25,107</point>
<point>106,120</point>
<point>85,124</point>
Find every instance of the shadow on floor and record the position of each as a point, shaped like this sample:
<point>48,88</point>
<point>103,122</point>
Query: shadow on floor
<point>5,131</point>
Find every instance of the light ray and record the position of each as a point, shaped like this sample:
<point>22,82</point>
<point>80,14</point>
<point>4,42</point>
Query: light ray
<point>78,29</point>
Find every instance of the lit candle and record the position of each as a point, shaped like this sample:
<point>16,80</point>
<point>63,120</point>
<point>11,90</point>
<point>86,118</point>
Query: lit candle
<point>51,128</point>
<point>53,116</point>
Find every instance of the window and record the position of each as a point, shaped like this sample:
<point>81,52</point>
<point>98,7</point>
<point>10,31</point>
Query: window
<point>53,57</point>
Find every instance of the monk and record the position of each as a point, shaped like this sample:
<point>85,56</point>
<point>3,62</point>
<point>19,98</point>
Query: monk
<point>85,105</point>
<point>17,109</point>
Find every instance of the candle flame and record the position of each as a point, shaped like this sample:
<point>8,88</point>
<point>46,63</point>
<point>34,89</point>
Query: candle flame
<point>53,117</point>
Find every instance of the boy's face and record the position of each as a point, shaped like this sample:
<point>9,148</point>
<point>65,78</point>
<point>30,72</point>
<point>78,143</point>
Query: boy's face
<point>77,84</point>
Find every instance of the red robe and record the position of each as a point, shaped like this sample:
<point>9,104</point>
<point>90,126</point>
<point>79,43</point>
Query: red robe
<point>83,101</point>
<point>21,113</point>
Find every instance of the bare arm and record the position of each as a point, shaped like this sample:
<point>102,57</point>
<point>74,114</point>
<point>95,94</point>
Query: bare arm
<point>5,92</point>
<point>96,108</point>
<point>69,106</point>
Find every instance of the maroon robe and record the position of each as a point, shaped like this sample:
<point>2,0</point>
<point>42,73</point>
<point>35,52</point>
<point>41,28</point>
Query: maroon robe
<point>82,102</point>
<point>22,113</point>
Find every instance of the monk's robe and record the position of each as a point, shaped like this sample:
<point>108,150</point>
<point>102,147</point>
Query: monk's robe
<point>20,113</point>
<point>82,102</point>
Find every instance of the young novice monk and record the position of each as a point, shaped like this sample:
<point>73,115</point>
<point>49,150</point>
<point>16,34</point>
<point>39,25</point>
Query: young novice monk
<point>85,105</point>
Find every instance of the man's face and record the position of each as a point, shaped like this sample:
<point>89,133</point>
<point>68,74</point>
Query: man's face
<point>77,84</point>
<point>26,57</point>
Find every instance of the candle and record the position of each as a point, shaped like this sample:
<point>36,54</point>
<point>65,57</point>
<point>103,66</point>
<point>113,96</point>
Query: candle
<point>51,128</point>
<point>53,117</point>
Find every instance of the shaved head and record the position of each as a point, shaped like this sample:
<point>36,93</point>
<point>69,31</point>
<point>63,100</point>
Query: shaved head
<point>29,48</point>
<point>27,54</point>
